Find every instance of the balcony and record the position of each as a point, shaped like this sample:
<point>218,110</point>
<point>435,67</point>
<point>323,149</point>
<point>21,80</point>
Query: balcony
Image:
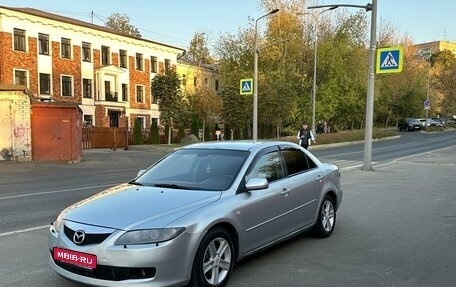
<point>111,97</point>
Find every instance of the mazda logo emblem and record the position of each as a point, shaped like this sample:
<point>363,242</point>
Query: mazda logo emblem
<point>79,236</point>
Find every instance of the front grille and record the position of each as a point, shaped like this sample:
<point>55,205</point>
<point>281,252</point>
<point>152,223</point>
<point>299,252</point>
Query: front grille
<point>90,238</point>
<point>110,273</point>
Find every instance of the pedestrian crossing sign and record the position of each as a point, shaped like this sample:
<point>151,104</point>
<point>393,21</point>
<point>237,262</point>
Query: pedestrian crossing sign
<point>246,87</point>
<point>389,60</point>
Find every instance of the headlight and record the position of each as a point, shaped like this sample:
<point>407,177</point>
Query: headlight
<point>58,222</point>
<point>147,236</point>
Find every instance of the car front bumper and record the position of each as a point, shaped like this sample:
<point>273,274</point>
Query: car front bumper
<point>147,265</point>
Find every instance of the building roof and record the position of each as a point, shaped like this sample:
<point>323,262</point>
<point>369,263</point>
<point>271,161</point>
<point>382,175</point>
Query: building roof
<point>55,17</point>
<point>187,59</point>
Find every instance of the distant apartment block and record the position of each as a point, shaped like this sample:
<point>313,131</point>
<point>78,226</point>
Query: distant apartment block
<point>437,46</point>
<point>195,75</point>
<point>61,59</point>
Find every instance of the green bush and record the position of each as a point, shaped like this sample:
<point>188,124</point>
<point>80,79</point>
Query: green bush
<point>154,135</point>
<point>137,133</point>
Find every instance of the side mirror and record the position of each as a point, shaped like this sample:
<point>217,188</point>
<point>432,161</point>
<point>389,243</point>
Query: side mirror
<point>256,183</point>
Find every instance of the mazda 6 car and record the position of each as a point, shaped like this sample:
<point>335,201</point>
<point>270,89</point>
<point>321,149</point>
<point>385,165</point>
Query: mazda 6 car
<point>193,214</point>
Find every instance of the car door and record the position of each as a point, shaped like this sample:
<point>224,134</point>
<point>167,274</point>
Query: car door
<point>265,212</point>
<point>306,181</point>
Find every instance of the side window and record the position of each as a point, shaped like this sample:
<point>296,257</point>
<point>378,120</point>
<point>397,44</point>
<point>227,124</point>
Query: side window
<point>297,161</point>
<point>268,166</point>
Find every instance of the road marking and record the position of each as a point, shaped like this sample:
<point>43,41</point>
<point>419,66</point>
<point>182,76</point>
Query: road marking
<point>346,165</point>
<point>23,230</point>
<point>57,191</point>
<point>415,155</point>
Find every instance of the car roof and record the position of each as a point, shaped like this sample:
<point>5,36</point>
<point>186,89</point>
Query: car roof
<point>237,145</point>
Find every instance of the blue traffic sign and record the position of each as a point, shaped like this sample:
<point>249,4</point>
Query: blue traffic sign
<point>389,60</point>
<point>246,87</point>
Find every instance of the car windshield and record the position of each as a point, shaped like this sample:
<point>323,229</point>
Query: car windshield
<point>195,169</point>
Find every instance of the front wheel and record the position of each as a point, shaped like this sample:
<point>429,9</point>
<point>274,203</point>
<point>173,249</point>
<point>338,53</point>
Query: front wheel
<point>214,260</point>
<point>326,220</point>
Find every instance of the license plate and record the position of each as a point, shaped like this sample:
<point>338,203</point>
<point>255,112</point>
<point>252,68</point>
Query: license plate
<point>75,258</point>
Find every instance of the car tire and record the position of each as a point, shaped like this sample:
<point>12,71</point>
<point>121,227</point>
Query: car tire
<point>214,260</point>
<point>326,220</point>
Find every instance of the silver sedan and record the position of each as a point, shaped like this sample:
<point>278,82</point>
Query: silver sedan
<point>195,213</point>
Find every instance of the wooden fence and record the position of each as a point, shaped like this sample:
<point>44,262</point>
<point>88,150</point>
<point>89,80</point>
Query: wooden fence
<point>99,137</point>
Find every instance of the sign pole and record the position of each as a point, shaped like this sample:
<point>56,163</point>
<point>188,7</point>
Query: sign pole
<point>367,165</point>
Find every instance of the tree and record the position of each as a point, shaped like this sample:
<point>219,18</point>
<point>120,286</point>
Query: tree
<point>205,106</point>
<point>137,133</point>
<point>121,23</point>
<point>167,92</point>
<point>154,133</point>
<point>445,82</point>
<point>235,62</point>
<point>198,49</point>
<point>285,70</point>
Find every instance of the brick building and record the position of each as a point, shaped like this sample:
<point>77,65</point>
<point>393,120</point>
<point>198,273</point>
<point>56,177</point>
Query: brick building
<point>61,59</point>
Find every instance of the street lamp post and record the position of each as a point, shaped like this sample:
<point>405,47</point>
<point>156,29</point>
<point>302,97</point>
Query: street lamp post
<point>255,78</point>
<point>367,165</point>
<point>426,54</point>
<point>314,80</point>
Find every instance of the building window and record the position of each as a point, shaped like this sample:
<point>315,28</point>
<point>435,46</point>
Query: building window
<point>123,58</point>
<point>45,84</point>
<point>67,86</point>
<point>139,94</point>
<point>105,56</point>
<point>86,52</point>
<point>216,85</point>
<point>139,61</point>
<point>19,40</point>
<point>43,44</point>
<point>167,65</point>
<point>20,77</point>
<point>125,92</point>
<point>184,79</point>
<point>88,120</point>
<point>87,88</point>
<point>153,64</point>
<point>205,82</point>
<point>194,81</point>
<point>65,48</point>
<point>141,121</point>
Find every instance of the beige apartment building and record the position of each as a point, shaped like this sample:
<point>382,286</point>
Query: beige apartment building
<point>436,46</point>
<point>61,59</point>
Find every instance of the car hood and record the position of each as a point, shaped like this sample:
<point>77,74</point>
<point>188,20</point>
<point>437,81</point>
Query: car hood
<point>129,207</point>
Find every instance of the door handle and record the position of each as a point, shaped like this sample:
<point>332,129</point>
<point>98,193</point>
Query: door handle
<point>285,191</point>
<point>319,177</point>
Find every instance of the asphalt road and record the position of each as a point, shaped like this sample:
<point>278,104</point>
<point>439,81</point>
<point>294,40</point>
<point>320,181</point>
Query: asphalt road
<point>396,226</point>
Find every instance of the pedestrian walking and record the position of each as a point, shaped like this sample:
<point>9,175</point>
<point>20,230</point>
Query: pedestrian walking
<point>305,136</point>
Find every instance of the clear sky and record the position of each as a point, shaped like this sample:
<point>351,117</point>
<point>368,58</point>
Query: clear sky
<point>175,21</point>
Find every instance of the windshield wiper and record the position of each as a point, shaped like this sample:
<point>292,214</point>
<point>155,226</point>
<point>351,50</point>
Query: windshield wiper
<point>172,185</point>
<point>135,183</point>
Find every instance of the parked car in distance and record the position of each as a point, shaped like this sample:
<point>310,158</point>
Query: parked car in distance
<point>440,121</point>
<point>430,123</point>
<point>408,124</point>
<point>193,214</point>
